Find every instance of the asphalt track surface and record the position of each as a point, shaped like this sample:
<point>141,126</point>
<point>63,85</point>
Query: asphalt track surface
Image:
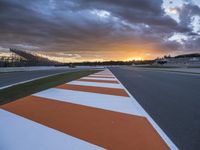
<point>171,99</point>
<point>10,78</point>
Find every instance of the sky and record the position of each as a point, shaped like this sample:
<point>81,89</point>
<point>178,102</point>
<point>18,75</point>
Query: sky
<point>100,30</point>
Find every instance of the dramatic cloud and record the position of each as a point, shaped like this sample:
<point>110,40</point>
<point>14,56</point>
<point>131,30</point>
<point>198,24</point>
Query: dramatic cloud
<point>99,29</point>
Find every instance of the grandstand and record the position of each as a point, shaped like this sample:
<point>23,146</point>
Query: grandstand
<point>33,59</point>
<point>19,58</point>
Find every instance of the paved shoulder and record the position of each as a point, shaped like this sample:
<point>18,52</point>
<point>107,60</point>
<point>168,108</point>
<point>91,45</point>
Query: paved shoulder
<point>13,78</point>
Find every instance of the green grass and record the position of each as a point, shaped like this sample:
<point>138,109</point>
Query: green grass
<point>18,91</point>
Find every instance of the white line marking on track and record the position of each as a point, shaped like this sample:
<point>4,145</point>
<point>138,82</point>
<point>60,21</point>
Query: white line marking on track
<point>18,133</point>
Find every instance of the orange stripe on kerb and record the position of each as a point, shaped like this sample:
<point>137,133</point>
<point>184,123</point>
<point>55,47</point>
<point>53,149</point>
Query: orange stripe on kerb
<point>101,81</point>
<point>101,90</point>
<point>111,130</point>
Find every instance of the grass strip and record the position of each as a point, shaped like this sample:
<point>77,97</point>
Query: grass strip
<point>21,90</point>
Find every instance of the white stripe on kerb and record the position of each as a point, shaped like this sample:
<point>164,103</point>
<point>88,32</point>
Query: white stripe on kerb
<point>103,101</point>
<point>96,84</point>
<point>100,75</point>
<point>18,133</point>
<point>105,71</point>
<point>107,79</point>
<point>94,76</point>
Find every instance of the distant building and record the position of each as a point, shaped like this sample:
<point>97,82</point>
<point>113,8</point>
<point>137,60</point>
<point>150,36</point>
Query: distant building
<point>187,59</point>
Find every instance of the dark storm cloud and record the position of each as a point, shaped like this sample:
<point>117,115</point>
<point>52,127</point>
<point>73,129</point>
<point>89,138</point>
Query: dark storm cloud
<point>32,23</point>
<point>75,25</point>
<point>186,12</point>
<point>186,15</point>
<point>136,12</point>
